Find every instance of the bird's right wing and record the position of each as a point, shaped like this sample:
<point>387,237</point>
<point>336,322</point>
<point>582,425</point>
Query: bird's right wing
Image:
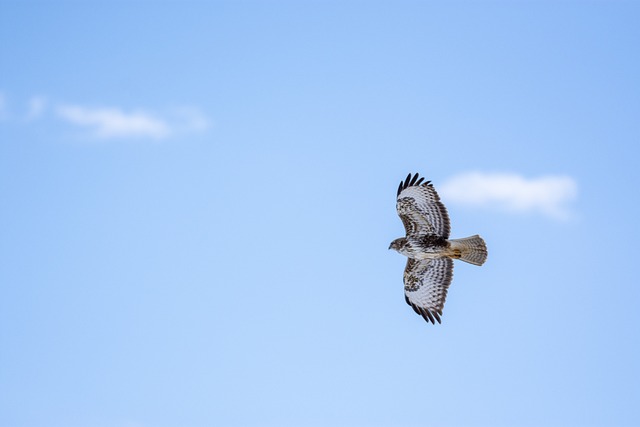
<point>425,286</point>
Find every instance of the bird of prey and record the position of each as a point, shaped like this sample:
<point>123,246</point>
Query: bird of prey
<point>428,248</point>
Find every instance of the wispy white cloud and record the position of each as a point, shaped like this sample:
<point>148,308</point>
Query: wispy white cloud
<point>37,105</point>
<point>113,122</point>
<point>190,119</point>
<point>109,122</point>
<point>549,195</point>
<point>4,114</point>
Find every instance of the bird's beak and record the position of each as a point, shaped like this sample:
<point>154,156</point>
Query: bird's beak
<point>390,245</point>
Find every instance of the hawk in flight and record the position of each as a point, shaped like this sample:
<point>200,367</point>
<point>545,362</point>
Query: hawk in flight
<point>429,251</point>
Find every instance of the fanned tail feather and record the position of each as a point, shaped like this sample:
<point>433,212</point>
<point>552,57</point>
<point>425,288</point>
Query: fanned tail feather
<point>472,249</point>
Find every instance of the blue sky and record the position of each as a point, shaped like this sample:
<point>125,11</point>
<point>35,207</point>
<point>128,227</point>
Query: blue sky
<point>197,200</point>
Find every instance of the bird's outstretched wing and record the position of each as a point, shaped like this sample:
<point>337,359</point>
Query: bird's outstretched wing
<point>420,208</point>
<point>425,286</point>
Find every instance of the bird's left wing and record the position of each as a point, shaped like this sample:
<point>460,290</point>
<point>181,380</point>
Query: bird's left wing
<point>420,208</point>
<point>425,286</point>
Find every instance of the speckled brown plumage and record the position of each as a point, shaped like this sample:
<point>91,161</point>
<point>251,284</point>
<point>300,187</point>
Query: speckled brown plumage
<point>430,254</point>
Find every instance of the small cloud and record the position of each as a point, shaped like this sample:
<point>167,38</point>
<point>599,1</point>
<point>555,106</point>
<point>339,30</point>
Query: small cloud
<point>190,119</point>
<point>548,195</point>
<point>4,113</point>
<point>114,123</point>
<point>111,122</point>
<point>37,105</point>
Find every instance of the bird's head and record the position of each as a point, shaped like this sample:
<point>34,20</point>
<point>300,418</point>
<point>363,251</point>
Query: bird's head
<point>398,244</point>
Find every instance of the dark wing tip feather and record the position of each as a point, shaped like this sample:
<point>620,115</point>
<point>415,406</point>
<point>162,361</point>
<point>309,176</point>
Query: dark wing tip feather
<point>429,316</point>
<point>412,180</point>
<point>437,316</point>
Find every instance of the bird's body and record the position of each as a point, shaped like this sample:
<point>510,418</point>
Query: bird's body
<point>428,248</point>
<point>425,246</point>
